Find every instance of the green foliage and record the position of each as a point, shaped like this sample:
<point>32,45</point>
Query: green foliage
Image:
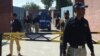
<point>63,3</point>
<point>66,3</point>
<point>31,6</point>
<point>47,3</point>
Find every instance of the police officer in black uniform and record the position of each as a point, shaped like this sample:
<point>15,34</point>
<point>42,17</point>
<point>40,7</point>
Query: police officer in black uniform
<point>77,33</point>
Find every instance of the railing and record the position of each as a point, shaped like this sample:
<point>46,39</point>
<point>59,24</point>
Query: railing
<point>11,35</point>
<point>22,35</point>
<point>0,44</point>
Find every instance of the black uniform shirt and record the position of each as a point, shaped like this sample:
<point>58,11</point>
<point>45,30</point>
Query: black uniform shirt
<point>77,32</point>
<point>16,26</point>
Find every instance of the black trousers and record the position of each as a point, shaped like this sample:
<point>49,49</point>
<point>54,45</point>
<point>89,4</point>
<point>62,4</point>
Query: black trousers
<point>63,47</point>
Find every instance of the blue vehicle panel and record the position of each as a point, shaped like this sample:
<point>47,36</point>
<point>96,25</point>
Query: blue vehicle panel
<point>45,21</point>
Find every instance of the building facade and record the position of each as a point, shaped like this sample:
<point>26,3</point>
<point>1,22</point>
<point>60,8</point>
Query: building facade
<point>5,15</point>
<point>93,14</point>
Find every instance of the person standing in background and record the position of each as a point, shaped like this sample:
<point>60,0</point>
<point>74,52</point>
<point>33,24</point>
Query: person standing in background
<point>28,23</point>
<point>63,24</point>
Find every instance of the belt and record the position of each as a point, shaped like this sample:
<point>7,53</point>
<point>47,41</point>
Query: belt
<point>78,46</point>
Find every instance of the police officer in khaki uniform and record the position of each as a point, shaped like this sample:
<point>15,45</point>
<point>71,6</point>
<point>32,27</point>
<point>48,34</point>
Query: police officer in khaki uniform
<point>77,33</point>
<point>15,28</point>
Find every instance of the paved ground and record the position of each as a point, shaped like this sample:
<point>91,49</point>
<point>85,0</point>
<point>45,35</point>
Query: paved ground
<point>34,48</point>
<point>31,48</point>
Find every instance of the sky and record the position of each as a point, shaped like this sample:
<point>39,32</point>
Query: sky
<point>20,3</point>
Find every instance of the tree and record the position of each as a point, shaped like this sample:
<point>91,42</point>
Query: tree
<point>47,3</point>
<point>63,3</point>
<point>31,6</point>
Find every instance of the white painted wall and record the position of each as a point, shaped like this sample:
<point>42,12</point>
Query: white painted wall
<point>64,9</point>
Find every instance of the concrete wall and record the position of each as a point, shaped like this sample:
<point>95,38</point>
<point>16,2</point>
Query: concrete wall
<point>20,14</point>
<point>19,11</point>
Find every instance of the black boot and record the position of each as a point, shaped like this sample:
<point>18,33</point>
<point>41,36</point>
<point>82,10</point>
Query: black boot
<point>20,54</point>
<point>9,55</point>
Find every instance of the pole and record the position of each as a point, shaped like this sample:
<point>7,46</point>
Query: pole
<point>0,44</point>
